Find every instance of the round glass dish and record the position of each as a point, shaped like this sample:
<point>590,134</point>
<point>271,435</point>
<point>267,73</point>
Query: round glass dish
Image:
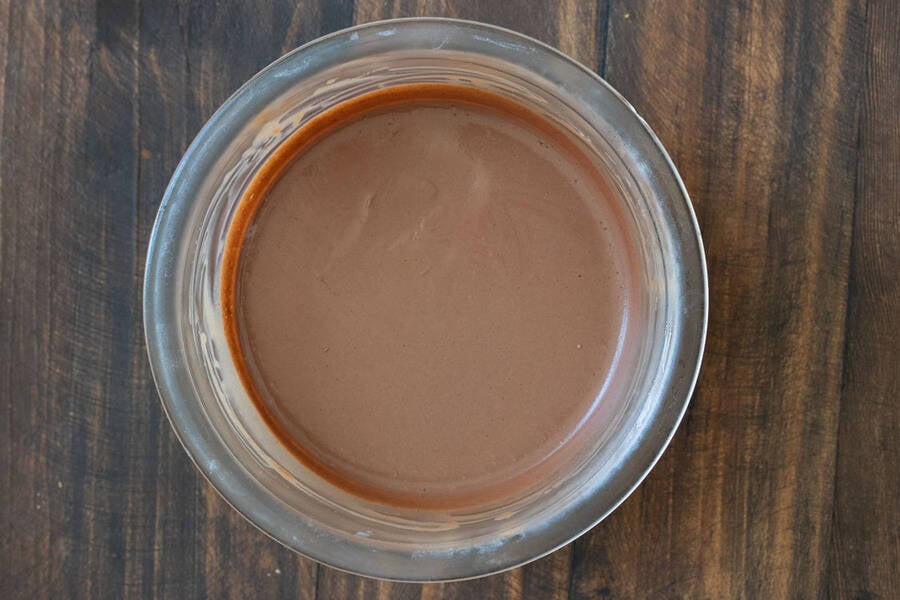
<point>217,422</point>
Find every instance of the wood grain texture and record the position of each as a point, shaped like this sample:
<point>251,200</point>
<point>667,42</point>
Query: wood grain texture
<point>781,116</point>
<point>757,105</point>
<point>866,531</point>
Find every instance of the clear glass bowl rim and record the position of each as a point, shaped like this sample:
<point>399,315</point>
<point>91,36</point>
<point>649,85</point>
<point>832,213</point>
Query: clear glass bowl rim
<point>200,440</point>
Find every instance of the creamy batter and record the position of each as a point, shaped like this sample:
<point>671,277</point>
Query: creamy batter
<point>425,291</point>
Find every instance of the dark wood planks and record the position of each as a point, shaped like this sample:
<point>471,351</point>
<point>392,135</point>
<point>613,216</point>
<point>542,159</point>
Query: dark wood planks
<point>99,102</point>
<point>778,115</point>
<point>70,330</point>
<point>756,103</point>
<point>866,541</point>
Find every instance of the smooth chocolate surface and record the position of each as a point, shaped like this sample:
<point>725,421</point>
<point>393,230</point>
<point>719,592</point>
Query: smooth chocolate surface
<point>426,291</point>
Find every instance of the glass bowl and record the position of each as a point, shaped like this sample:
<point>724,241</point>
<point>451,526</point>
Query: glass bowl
<point>217,422</point>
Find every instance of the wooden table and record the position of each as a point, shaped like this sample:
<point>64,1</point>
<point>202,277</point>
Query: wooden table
<point>784,120</point>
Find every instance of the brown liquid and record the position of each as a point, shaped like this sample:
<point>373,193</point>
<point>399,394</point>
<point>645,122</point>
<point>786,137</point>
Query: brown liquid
<point>424,290</point>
